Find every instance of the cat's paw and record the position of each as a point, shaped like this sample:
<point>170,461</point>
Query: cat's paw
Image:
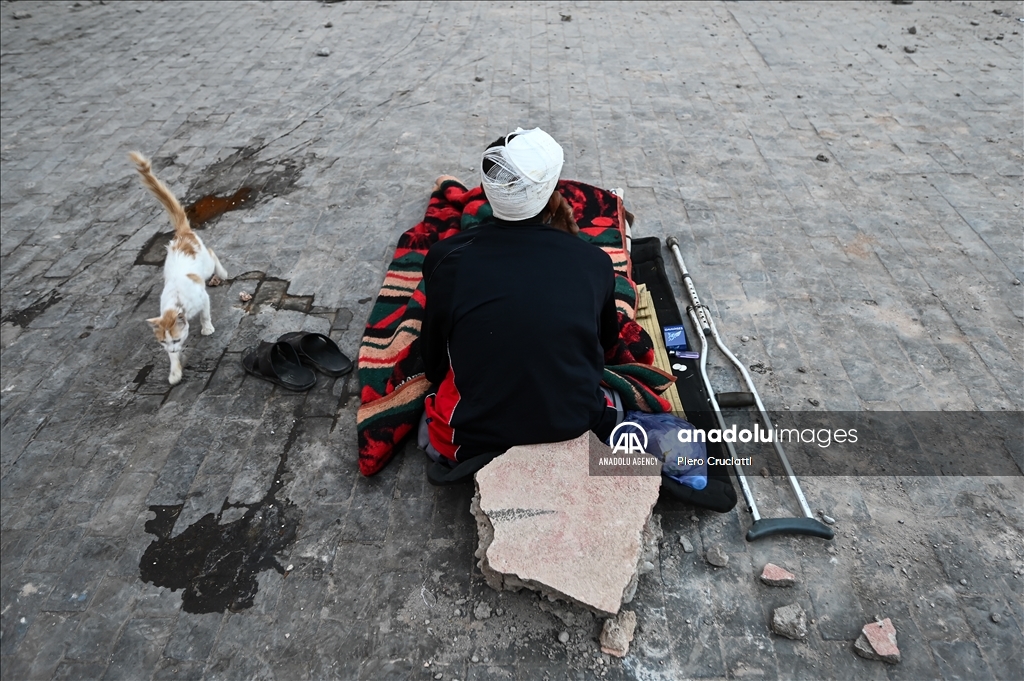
<point>174,378</point>
<point>206,330</point>
<point>214,281</point>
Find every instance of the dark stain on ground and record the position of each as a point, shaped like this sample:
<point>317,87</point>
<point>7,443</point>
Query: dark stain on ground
<point>211,206</point>
<point>24,317</point>
<point>238,181</point>
<point>217,565</point>
<point>143,374</point>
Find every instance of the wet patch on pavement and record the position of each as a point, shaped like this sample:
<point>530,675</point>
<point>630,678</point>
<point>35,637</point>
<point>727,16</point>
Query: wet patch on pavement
<point>217,564</point>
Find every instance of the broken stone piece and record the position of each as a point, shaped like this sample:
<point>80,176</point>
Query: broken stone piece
<point>687,546</point>
<point>482,610</point>
<point>717,556</point>
<point>878,642</point>
<point>617,633</point>
<point>546,524</point>
<point>790,621</point>
<point>773,575</point>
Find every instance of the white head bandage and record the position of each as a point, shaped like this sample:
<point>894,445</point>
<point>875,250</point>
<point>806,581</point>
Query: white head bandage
<point>521,175</point>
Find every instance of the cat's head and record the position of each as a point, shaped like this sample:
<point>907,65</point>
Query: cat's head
<point>171,329</point>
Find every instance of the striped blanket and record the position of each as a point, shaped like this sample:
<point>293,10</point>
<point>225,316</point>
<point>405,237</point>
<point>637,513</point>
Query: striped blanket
<point>390,365</point>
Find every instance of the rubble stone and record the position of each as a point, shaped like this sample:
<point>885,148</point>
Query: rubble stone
<point>790,621</point>
<point>482,610</point>
<point>546,524</point>
<point>878,642</point>
<point>717,556</point>
<point>617,633</point>
<point>773,575</point>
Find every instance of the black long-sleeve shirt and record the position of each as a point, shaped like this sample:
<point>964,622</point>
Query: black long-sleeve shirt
<point>518,318</point>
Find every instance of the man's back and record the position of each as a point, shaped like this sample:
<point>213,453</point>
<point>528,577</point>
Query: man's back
<point>518,316</point>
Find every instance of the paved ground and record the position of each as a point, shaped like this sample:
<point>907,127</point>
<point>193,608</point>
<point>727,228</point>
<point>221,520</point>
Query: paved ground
<point>885,276</point>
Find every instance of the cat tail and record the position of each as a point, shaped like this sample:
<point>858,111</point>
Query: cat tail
<point>163,194</point>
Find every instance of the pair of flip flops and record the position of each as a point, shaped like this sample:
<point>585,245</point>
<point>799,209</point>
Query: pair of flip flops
<point>287,361</point>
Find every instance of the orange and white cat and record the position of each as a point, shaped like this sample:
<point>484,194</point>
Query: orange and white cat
<point>188,265</point>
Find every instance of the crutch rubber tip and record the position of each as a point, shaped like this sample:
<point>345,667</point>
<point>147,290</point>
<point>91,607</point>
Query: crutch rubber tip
<point>770,527</point>
<point>671,241</point>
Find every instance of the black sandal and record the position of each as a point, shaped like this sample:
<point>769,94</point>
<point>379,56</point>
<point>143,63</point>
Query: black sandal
<point>278,363</point>
<point>319,351</point>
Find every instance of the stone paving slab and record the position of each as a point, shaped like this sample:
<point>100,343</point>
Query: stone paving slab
<point>886,277</point>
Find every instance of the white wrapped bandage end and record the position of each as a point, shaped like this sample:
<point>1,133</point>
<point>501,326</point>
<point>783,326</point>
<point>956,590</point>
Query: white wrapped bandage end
<point>522,174</point>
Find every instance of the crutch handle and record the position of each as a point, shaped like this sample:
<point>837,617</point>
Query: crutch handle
<point>741,399</point>
<point>769,527</point>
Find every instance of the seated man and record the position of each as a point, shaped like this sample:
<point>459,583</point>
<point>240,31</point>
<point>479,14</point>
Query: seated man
<point>518,317</point>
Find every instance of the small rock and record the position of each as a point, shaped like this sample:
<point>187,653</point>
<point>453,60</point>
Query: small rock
<point>829,520</point>
<point>995,617</point>
<point>482,610</point>
<point>813,401</point>
<point>563,637</point>
<point>565,17</point>
<point>475,658</point>
<point>687,546</point>
<point>244,297</point>
<point>802,370</point>
<point>479,79</point>
<point>773,575</point>
<point>1016,282</point>
<point>21,15</point>
<point>910,50</point>
<point>765,473</point>
<point>717,556</point>
<point>975,23</point>
<point>882,46</point>
<point>439,675</point>
<point>744,339</point>
<point>328,25</point>
<point>458,613</point>
<point>617,633</point>
<point>499,612</point>
<point>790,621</point>
<point>878,642</point>
<point>821,157</point>
<point>646,567</point>
<point>323,52</point>
<point>912,30</point>
<point>963,582</point>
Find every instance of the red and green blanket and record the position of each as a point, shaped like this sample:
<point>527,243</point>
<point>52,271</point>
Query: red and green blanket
<point>390,365</point>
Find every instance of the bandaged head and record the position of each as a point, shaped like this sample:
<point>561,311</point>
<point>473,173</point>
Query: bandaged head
<point>519,176</point>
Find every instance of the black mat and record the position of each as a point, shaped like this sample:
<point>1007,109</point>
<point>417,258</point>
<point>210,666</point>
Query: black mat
<point>649,269</point>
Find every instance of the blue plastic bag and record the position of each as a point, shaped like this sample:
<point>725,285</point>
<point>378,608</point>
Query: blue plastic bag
<point>684,462</point>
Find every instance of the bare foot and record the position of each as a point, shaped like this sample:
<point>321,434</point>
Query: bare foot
<point>442,178</point>
<point>214,281</point>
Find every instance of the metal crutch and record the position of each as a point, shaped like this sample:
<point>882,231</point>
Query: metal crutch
<point>762,527</point>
